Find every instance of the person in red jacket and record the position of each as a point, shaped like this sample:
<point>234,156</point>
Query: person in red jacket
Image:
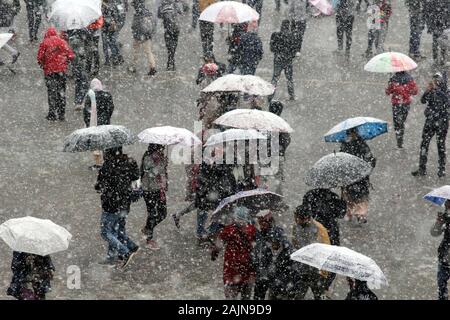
<point>401,87</point>
<point>239,238</point>
<point>53,56</point>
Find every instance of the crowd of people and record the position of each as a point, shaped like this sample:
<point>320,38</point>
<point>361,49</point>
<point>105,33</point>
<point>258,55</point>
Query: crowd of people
<point>257,250</point>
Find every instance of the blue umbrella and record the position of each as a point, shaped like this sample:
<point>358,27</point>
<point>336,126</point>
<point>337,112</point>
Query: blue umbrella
<point>367,127</point>
<point>438,196</point>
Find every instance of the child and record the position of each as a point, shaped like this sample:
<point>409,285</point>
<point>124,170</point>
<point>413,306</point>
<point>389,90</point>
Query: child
<point>380,11</point>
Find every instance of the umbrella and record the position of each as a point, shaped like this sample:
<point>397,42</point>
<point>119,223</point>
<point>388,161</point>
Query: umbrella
<point>33,235</point>
<point>169,135</point>
<point>258,199</point>
<point>337,170</point>
<point>252,85</point>
<point>254,119</point>
<point>229,12</point>
<point>368,128</point>
<point>4,38</point>
<point>389,62</point>
<point>98,138</point>
<point>341,260</point>
<point>438,196</point>
<point>75,14</point>
<point>234,135</point>
<point>323,5</point>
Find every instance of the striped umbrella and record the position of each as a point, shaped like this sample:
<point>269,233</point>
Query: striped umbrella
<point>229,12</point>
<point>389,62</point>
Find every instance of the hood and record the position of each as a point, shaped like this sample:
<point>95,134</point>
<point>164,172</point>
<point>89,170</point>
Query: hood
<point>96,85</point>
<point>51,32</point>
<point>401,77</point>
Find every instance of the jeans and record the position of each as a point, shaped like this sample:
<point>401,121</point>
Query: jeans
<point>202,216</point>
<point>431,128</point>
<point>400,113</point>
<point>171,33</point>
<point>443,275</point>
<point>34,16</point>
<point>437,48</point>
<point>109,40</point>
<point>207,37</point>
<point>93,56</point>
<point>278,67</point>
<point>416,27</point>
<point>56,90</point>
<point>344,25</point>
<point>113,231</point>
<point>81,79</point>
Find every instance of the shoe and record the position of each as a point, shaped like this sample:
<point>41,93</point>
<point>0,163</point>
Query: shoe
<point>418,56</point>
<point>152,72</point>
<point>152,245</point>
<point>127,259</point>
<point>132,69</point>
<point>119,61</point>
<point>107,63</point>
<point>292,98</point>
<point>361,220</point>
<point>144,231</point>
<point>419,173</point>
<point>176,220</point>
<point>110,261</point>
<point>78,107</point>
<point>15,57</point>
<point>441,173</point>
<point>368,54</point>
<point>50,118</point>
<point>95,167</point>
<point>62,119</point>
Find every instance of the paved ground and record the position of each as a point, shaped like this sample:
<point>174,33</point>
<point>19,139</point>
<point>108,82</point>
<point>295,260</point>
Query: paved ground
<point>39,180</point>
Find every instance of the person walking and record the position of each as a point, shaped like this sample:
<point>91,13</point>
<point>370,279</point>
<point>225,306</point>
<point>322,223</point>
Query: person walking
<point>297,14</point>
<point>250,49</point>
<point>238,237</point>
<point>35,9</point>
<point>143,28</point>
<point>379,16</point>
<point>8,11</point>
<point>32,275</point>
<point>93,55</point>
<point>344,25</point>
<point>437,18</point>
<point>436,123</point>
<point>114,183</point>
<point>53,56</point>
<point>442,226</point>
<point>359,290</point>
<point>154,184</point>
<point>113,19</point>
<point>168,11</point>
<point>283,46</point>
<point>416,26</point>
<point>401,87</point>
<point>305,231</point>
<point>357,194</point>
<point>206,29</point>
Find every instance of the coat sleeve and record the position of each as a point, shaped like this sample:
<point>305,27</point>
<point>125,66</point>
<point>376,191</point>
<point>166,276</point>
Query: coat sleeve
<point>413,88</point>
<point>425,97</point>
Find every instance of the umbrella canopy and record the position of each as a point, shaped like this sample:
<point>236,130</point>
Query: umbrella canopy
<point>438,196</point>
<point>98,138</point>
<point>258,199</point>
<point>323,5</point>
<point>229,12</point>
<point>341,260</point>
<point>249,84</point>
<point>4,38</point>
<point>389,62</point>
<point>33,235</point>
<point>337,170</point>
<point>254,119</point>
<point>75,14</point>
<point>168,136</point>
<point>368,128</point>
<point>235,135</point>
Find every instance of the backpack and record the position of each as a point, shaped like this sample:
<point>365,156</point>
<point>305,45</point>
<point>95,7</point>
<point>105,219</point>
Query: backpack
<point>147,24</point>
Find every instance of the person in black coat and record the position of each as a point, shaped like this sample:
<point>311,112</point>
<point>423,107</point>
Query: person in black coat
<point>104,104</point>
<point>437,18</point>
<point>251,51</point>
<point>436,123</point>
<point>35,9</point>
<point>233,46</point>
<point>359,290</point>
<point>282,45</point>
<point>31,276</point>
<point>416,26</point>
<point>114,183</point>
<point>344,24</point>
<point>214,183</point>
<point>357,194</point>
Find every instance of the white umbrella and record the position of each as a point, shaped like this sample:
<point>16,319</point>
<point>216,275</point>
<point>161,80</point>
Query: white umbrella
<point>249,84</point>
<point>4,38</point>
<point>235,135</point>
<point>438,196</point>
<point>168,135</point>
<point>75,14</point>
<point>229,12</point>
<point>389,62</point>
<point>342,261</point>
<point>33,235</point>
<point>254,119</point>
<point>98,138</point>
